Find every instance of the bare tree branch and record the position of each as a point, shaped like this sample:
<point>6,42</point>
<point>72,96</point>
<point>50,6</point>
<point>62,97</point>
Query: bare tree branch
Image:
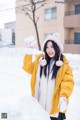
<point>39,6</point>
<point>29,10</point>
<point>26,8</point>
<point>29,15</point>
<point>37,20</point>
<point>38,2</point>
<point>18,1</point>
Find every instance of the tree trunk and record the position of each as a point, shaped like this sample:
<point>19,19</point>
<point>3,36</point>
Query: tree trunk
<point>37,34</point>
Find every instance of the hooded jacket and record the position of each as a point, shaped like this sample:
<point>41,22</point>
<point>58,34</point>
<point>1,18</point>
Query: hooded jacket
<point>64,80</point>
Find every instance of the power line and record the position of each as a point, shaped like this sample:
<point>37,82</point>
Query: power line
<point>6,9</point>
<point>14,7</point>
<point>2,5</point>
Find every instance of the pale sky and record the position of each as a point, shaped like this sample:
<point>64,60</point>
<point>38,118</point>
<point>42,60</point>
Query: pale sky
<point>7,15</point>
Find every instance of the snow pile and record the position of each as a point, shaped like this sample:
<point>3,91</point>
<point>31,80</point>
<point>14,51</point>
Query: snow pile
<point>22,108</point>
<point>74,106</point>
<point>74,61</point>
<point>15,97</point>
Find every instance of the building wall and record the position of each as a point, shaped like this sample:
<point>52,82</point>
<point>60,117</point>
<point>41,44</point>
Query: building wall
<point>72,48</point>
<point>70,33</point>
<point>65,25</point>
<point>11,25</point>
<point>25,27</point>
<point>72,26</point>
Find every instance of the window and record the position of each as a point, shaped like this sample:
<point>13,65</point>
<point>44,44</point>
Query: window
<point>50,13</point>
<point>38,0</point>
<point>0,37</point>
<point>77,38</point>
<point>47,34</point>
<point>77,9</point>
<point>13,38</point>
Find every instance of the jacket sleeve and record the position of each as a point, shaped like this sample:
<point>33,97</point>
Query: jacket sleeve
<point>67,84</point>
<point>28,65</point>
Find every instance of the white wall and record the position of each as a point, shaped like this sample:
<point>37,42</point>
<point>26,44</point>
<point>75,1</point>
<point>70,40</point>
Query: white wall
<point>6,35</point>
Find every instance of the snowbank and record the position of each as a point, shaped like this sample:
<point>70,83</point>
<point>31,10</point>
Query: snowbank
<point>15,97</point>
<point>15,94</point>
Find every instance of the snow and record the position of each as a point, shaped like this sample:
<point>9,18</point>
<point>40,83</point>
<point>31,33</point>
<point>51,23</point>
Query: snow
<point>74,106</point>
<point>15,97</point>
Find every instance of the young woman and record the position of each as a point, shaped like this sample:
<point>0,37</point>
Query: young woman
<point>52,80</point>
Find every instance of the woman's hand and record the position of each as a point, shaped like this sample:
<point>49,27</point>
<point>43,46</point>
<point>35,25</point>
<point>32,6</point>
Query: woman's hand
<point>62,104</point>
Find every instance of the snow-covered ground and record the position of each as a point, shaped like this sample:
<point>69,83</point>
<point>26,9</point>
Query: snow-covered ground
<point>15,98</point>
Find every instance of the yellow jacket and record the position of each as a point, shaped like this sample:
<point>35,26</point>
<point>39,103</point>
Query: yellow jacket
<point>64,80</point>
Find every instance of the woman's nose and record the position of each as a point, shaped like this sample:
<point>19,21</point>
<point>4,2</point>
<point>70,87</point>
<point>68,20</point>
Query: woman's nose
<point>49,49</point>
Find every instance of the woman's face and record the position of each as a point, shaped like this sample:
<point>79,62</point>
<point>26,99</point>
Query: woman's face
<point>50,50</point>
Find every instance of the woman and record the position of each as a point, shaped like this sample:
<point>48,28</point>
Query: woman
<point>52,80</point>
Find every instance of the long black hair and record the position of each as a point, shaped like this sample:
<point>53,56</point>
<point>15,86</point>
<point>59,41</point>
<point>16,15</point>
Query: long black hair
<point>56,57</point>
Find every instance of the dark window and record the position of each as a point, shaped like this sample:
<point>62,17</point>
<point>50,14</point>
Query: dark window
<point>77,38</point>
<point>0,37</point>
<point>13,38</point>
<point>77,9</point>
